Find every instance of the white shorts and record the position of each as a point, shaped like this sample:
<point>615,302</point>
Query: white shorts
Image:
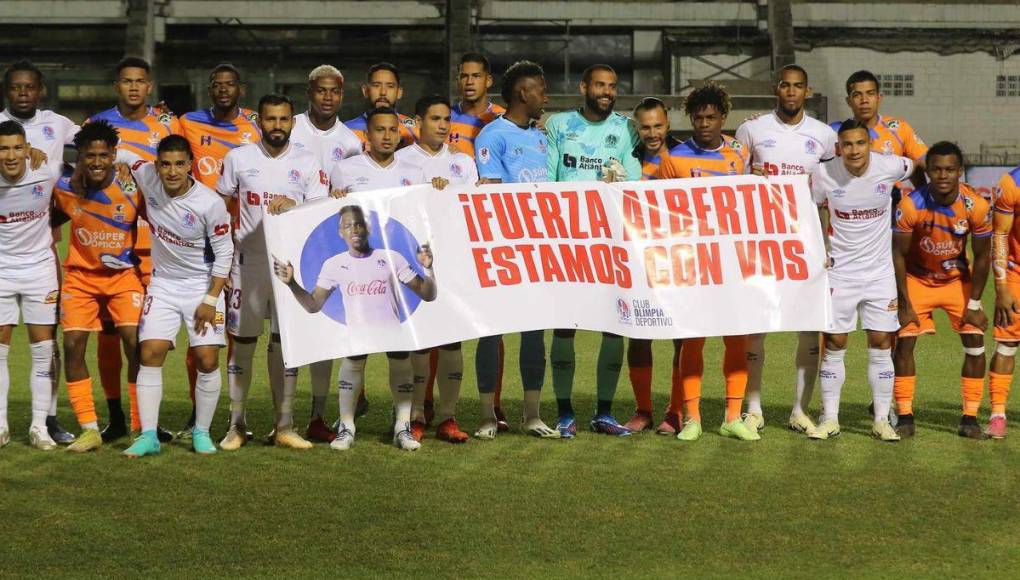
<point>251,299</point>
<point>167,305</point>
<point>874,300</point>
<point>35,299</point>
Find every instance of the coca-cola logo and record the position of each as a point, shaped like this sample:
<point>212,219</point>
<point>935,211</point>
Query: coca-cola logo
<point>943,248</point>
<point>372,288</point>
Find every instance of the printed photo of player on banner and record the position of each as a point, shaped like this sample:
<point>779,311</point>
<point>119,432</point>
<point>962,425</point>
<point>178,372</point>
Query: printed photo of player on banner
<point>666,259</point>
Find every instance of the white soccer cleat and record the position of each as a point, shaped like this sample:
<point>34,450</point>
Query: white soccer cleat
<point>234,439</point>
<point>289,439</point>
<point>40,439</point>
<point>487,430</point>
<point>754,421</point>
<point>800,423</point>
<point>825,430</point>
<point>881,429</point>
<point>404,440</point>
<point>5,436</point>
<point>344,439</point>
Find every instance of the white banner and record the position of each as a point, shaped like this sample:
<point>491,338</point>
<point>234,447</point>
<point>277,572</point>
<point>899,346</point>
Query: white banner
<point>653,259</point>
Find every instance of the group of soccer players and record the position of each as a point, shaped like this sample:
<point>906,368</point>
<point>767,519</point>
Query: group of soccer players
<point>166,217</point>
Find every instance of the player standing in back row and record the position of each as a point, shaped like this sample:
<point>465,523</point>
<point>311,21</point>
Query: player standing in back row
<point>592,143</point>
<point>786,142</point>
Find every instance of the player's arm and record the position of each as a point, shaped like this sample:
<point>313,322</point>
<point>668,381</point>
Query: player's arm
<point>916,150</point>
<point>336,180</point>
<point>1006,306</point>
<point>631,163</point>
<point>311,302</point>
<point>488,160</point>
<point>901,247</point>
<point>975,314</point>
<point>552,153</point>
<point>217,231</point>
<point>424,287</point>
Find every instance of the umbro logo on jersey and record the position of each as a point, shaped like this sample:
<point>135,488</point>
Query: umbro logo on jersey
<point>253,172</point>
<point>840,192</point>
<point>768,143</point>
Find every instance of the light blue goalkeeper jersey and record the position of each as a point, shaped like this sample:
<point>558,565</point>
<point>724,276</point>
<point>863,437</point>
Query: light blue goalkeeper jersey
<point>578,148</point>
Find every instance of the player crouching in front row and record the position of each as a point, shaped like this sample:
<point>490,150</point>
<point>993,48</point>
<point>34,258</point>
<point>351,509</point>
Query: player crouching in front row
<point>191,257</point>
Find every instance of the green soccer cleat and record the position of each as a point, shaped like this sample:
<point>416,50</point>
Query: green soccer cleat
<point>89,440</point>
<point>754,421</point>
<point>201,442</point>
<point>825,430</point>
<point>691,431</point>
<point>800,423</point>
<point>736,429</point>
<point>145,444</point>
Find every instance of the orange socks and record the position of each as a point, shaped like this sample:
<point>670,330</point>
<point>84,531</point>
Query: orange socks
<point>641,382</point>
<point>110,364</point>
<point>903,392</point>
<point>80,394</point>
<point>735,371</point>
<point>136,422</point>
<point>692,368</point>
<point>998,390</point>
<point>972,389</point>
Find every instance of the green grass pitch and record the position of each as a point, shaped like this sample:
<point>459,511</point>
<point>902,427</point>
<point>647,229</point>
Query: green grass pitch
<point>643,506</point>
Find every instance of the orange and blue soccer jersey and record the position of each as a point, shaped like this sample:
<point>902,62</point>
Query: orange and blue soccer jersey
<point>938,246</point>
<point>408,128</point>
<point>893,136</point>
<point>211,139</point>
<point>102,225</point>
<point>142,136</point>
<point>689,160</point>
<point>465,127</point>
<point>1007,201</point>
<point>650,163</point>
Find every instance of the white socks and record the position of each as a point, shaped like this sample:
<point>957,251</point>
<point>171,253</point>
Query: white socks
<point>449,371</point>
<point>401,377</point>
<point>755,364</point>
<point>207,394</point>
<point>283,382</point>
<point>420,370</point>
<point>321,373</point>
<point>806,361</point>
<point>55,370</point>
<point>5,385</point>
<point>881,375</point>
<point>350,382</point>
<point>150,393</point>
<point>239,379</point>
<point>833,375</point>
<point>39,381</point>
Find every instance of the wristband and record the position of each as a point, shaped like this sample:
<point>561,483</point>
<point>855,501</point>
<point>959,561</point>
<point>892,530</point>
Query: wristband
<point>974,304</point>
<point>210,300</point>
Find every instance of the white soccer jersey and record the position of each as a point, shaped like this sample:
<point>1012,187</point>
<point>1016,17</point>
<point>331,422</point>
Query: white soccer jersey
<point>254,177</point>
<point>362,173</point>
<point>456,167</point>
<point>190,232</point>
<point>370,286</point>
<point>25,235</point>
<point>860,234</point>
<point>332,146</point>
<point>781,149</point>
<point>48,132</point>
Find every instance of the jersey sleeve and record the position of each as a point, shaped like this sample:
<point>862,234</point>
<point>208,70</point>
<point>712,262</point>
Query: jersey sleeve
<point>1007,194</point>
<point>743,135</point>
<point>489,156</point>
<point>631,163</point>
<point>470,170</point>
<point>901,167</point>
<point>329,276</point>
<point>70,130</point>
<point>227,183</point>
<point>913,146</point>
<point>401,268</point>
<point>317,182</point>
<point>336,176</point>
<point>829,146</point>
<point>217,231</point>
<point>667,169</point>
<point>552,154</point>
<point>906,216</point>
<point>817,182</point>
<point>980,218</point>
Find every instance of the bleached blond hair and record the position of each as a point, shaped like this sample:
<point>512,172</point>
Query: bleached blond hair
<point>325,71</point>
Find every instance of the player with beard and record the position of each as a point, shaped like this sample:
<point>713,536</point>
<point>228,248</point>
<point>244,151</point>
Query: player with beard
<point>786,142</point>
<point>443,166</point>
<point>932,271</point>
<point>50,133</point>
<point>592,143</point>
<point>360,268</point>
<point>382,90</point>
<point>270,176</point>
<point>321,132</point>
<point>652,121</point>
<point>29,285</point>
<point>511,149</point>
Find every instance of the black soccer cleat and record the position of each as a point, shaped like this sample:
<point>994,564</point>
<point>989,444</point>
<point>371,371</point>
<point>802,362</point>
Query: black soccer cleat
<point>163,435</point>
<point>970,429</point>
<point>905,426</point>
<point>114,430</point>
<point>57,431</point>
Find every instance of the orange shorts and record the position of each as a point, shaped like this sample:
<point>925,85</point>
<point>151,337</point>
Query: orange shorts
<point>85,294</point>
<point>1010,333</point>
<point>926,297</point>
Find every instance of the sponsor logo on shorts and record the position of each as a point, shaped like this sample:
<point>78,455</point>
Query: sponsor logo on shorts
<point>52,297</point>
<point>894,305</point>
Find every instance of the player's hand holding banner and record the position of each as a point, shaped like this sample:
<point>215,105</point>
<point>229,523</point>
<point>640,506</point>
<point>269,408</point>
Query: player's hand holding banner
<point>653,259</point>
